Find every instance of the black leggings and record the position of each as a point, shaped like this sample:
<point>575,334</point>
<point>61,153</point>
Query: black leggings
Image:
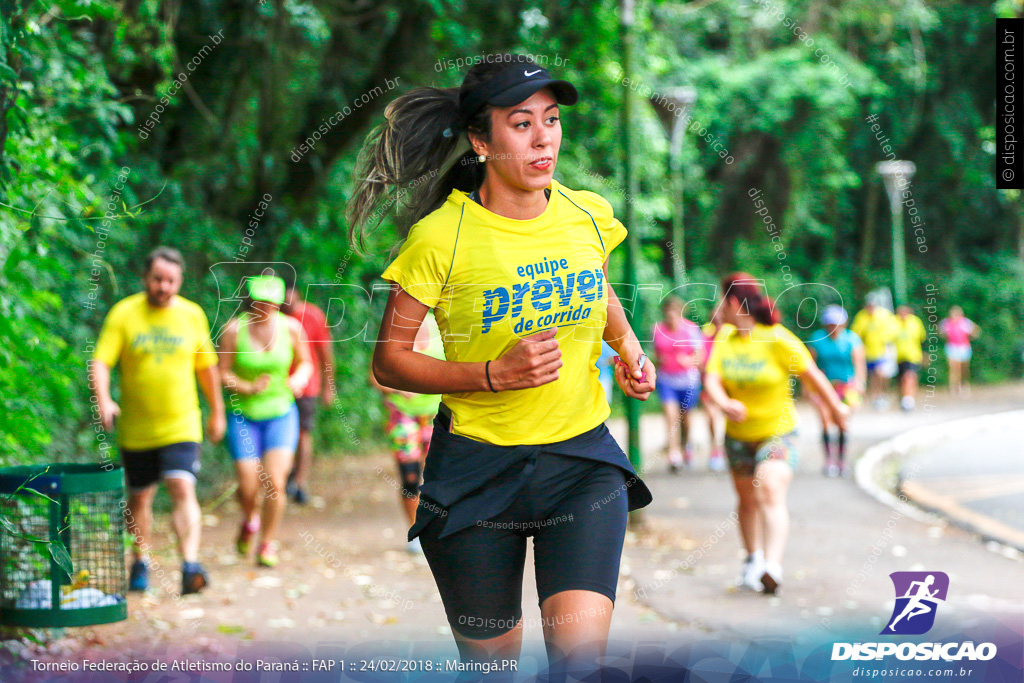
<point>576,510</point>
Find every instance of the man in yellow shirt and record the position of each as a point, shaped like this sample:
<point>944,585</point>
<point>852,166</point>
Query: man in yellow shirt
<point>162,343</point>
<point>876,327</point>
<point>910,336</point>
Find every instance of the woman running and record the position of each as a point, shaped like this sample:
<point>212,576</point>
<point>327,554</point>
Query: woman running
<point>678,346</point>
<point>958,332</point>
<point>839,354</point>
<point>748,376</point>
<point>875,326</point>
<point>410,425</point>
<point>256,352</point>
<point>910,338</point>
<point>514,265</point>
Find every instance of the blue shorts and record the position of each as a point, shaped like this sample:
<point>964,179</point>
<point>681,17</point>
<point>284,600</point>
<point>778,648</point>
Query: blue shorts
<point>873,364</point>
<point>682,388</point>
<point>961,353</point>
<point>251,439</point>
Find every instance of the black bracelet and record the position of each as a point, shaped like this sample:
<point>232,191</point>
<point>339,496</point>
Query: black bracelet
<point>487,371</point>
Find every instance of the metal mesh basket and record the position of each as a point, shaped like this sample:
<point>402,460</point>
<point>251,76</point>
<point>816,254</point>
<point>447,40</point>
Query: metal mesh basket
<point>62,545</point>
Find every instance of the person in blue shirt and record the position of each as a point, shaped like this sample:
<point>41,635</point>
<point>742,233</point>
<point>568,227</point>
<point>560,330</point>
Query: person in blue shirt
<point>839,354</point>
<point>606,366</point>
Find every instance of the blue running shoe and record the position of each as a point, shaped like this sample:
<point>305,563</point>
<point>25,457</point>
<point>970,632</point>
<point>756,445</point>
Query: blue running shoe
<point>139,578</point>
<point>193,578</point>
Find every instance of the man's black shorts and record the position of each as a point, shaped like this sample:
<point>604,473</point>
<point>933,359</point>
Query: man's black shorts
<point>906,366</point>
<point>307,412</point>
<point>176,460</point>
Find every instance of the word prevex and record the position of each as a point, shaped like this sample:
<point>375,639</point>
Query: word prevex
<point>544,293</point>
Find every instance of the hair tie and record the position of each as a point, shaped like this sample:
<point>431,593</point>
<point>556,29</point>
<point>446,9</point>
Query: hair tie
<point>447,132</point>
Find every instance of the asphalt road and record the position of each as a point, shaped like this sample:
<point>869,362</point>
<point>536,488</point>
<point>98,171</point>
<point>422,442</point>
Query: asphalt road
<point>843,543</point>
<point>976,479</point>
<point>346,578</point>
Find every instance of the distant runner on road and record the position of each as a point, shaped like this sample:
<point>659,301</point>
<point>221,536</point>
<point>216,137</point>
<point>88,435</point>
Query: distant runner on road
<point>958,332</point>
<point>877,329</point>
<point>257,350</point>
<point>840,356</point>
<point>161,342</point>
<point>411,424</point>
<point>679,348</point>
<point>748,377</point>
<point>910,335</point>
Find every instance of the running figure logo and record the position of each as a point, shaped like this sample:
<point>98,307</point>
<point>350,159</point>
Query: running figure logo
<point>917,596</point>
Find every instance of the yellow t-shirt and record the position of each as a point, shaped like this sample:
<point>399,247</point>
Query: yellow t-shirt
<point>755,370</point>
<point>159,351</point>
<point>910,335</point>
<point>492,280</point>
<point>875,331</point>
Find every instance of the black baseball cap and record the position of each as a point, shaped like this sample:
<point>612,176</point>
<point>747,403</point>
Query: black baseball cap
<point>510,87</point>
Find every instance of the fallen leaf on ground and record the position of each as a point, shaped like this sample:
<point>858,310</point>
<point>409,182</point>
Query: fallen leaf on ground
<point>267,582</point>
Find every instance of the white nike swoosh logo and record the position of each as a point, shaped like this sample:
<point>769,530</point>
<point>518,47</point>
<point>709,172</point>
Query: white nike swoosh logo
<point>529,73</point>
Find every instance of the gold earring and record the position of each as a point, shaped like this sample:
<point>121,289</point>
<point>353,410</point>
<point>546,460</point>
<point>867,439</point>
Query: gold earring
<point>481,158</point>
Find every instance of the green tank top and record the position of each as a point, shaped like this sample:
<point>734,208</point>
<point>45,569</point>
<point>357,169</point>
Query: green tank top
<point>277,398</point>
<point>423,404</point>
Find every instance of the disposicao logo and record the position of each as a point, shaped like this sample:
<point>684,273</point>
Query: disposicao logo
<point>918,595</point>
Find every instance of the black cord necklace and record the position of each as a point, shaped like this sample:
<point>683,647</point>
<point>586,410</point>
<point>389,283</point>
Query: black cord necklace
<point>475,195</point>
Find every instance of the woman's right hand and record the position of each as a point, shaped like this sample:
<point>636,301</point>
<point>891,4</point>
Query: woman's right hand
<point>533,361</point>
<point>260,383</point>
<point>109,411</point>
<point>734,410</point>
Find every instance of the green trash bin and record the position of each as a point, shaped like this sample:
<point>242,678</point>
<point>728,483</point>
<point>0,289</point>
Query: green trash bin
<point>62,545</point>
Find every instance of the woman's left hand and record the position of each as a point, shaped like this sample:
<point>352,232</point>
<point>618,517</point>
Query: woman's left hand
<point>630,382</point>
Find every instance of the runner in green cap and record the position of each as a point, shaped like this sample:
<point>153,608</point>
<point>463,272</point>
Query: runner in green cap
<point>257,351</point>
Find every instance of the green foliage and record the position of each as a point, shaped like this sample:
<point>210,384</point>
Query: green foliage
<point>79,80</point>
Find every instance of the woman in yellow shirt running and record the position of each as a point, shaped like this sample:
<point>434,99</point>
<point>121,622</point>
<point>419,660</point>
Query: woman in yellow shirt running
<point>514,265</point>
<point>748,377</point>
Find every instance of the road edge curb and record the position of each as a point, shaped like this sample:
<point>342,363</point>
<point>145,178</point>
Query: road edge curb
<point>923,507</point>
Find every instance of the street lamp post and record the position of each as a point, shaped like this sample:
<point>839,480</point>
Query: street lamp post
<point>897,176</point>
<point>672,107</point>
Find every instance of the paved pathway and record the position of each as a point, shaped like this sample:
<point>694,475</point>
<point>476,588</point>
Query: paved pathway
<point>842,547</point>
<point>977,480</point>
<point>345,578</point>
